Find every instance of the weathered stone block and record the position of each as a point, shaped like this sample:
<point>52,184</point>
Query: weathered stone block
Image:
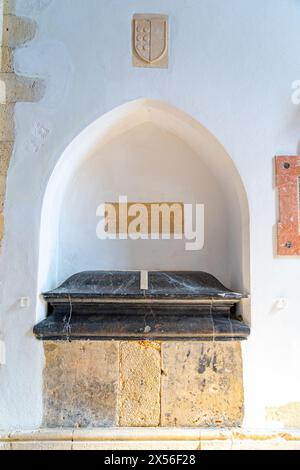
<point>2,191</point>
<point>17,30</point>
<point>15,88</point>
<point>1,226</point>
<point>140,372</point>
<point>202,384</point>
<point>6,60</point>
<point>81,384</point>
<point>8,6</point>
<point>6,149</point>
<point>7,125</point>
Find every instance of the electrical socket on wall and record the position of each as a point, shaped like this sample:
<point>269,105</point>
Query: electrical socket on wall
<point>24,302</point>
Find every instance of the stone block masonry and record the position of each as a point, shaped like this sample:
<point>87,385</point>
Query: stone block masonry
<point>81,384</point>
<point>202,384</point>
<point>143,384</point>
<point>140,384</point>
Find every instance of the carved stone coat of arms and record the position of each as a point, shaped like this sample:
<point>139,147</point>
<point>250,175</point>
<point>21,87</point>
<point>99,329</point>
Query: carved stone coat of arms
<point>150,41</point>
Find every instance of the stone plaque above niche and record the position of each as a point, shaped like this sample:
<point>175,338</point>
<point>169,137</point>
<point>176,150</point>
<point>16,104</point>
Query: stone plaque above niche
<point>150,40</point>
<point>288,185</point>
<point>145,218</point>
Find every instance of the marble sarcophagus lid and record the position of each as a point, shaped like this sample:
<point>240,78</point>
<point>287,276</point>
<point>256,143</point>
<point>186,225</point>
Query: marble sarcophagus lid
<point>133,305</point>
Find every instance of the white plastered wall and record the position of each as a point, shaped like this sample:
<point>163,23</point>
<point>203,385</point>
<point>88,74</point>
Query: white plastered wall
<point>232,65</point>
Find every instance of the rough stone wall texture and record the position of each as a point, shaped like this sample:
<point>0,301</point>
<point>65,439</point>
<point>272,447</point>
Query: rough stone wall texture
<point>14,32</point>
<point>143,384</point>
<point>140,372</point>
<point>81,384</point>
<point>202,384</point>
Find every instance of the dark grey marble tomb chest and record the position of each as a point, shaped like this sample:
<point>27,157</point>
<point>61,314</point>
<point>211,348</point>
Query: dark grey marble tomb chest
<point>113,305</point>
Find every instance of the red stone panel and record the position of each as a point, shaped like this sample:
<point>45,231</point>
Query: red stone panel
<point>288,184</point>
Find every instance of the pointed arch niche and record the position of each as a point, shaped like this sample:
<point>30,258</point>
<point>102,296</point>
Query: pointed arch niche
<point>151,152</point>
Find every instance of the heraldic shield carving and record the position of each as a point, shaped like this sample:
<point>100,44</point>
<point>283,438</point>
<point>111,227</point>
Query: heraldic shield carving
<point>150,41</point>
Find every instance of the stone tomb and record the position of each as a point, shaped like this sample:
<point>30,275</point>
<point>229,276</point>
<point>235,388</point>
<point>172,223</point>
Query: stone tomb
<point>165,355</point>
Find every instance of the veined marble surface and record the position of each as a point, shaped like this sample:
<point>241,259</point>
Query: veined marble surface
<point>126,284</point>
